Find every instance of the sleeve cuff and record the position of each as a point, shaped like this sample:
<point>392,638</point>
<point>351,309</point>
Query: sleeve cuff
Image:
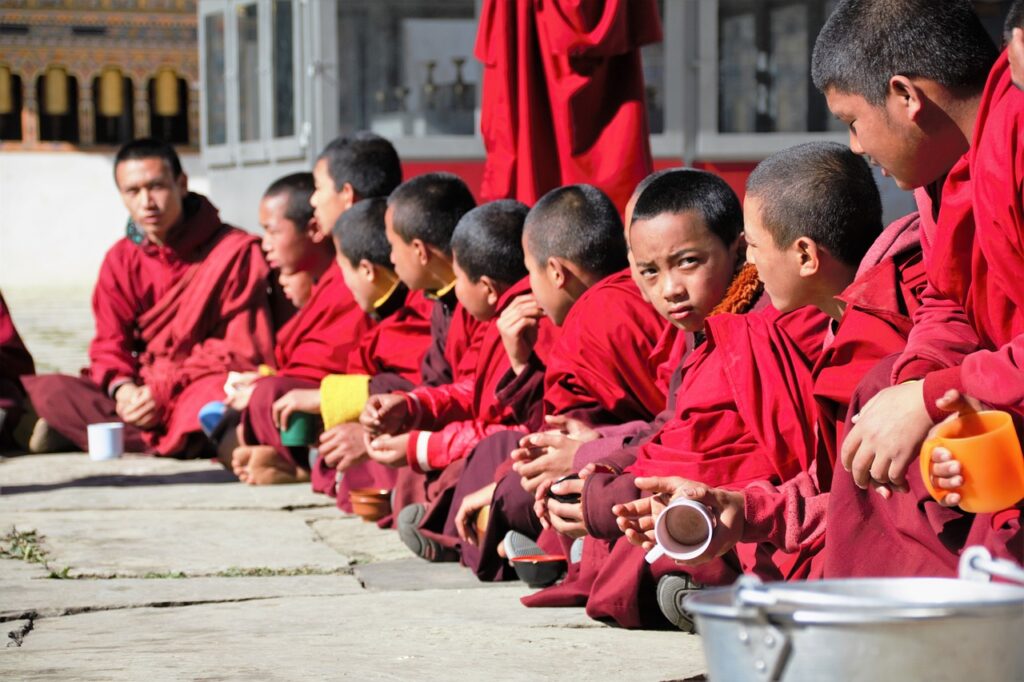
<point>417,452</point>
<point>935,386</point>
<point>116,384</point>
<point>913,370</point>
<point>760,512</point>
<point>342,397</point>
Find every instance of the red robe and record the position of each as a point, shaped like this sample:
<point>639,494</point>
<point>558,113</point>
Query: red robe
<point>318,339</point>
<point>968,334</point>
<point>563,95</point>
<point>176,318</point>
<point>15,362</point>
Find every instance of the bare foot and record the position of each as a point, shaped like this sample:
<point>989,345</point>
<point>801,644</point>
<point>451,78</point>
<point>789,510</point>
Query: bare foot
<point>239,464</point>
<point>266,467</point>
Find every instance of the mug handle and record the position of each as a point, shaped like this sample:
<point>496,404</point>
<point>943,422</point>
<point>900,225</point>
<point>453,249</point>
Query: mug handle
<point>925,459</point>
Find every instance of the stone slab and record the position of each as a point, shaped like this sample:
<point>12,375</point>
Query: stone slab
<point>47,598</point>
<point>416,574</point>
<point>427,635</point>
<point>136,543</point>
<point>351,536</point>
<point>74,482</point>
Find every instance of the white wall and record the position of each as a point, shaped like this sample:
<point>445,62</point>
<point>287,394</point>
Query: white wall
<point>59,213</point>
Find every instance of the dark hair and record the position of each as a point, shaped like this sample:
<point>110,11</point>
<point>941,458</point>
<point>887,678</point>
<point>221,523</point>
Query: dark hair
<point>646,182</point>
<point>864,43</point>
<point>580,224</point>
<point>299,188</point>
<point>364,160</point>
<point>359,233</point>
<point>428,207</point>
<point>488,241</point>
<point>687,189</point>
<point>819,190</point>
<point>148,148</point>
<point>1014,19</point>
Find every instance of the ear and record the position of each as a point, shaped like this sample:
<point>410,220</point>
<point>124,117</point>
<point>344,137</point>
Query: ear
<point>905,97</point>
<point>493,290</point>
<point>348,196</point>
<point>367,270</point>
<point>808,255</point>
<point>183,182</point>
<point>557,272</point>
<point>422,251</point>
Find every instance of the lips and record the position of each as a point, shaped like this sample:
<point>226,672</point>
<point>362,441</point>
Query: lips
<point>680,312</point>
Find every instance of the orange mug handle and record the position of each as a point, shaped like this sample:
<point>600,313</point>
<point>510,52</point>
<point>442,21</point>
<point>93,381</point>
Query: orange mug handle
<point>926,468</point>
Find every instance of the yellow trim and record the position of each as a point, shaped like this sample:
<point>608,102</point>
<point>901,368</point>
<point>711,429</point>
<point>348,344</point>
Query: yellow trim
<point>445,289</point>
<point>266,371</point>
<point>342,397</point>
<point>384,299</point>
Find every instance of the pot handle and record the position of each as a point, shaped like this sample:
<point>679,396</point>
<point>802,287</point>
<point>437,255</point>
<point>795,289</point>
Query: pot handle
<point>977,564</point>
<point>763,597</point>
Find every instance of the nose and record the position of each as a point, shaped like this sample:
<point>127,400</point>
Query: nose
<point>855,144</point>
<point>312,199</point>
<point>673,288</point>
<point>266,244</point>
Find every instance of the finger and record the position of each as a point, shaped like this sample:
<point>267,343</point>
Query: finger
<point>851,444</point>
<point>880,468</point>
<point>945,470</point>
<point>897,472</point>
<point>860,465</point>
<point>950,500</point>
<point>659,484</point>
<point>566,510</point>
<point>882,490</point>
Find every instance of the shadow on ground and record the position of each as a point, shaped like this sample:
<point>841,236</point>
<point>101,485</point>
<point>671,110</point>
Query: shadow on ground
<point>121,481</point>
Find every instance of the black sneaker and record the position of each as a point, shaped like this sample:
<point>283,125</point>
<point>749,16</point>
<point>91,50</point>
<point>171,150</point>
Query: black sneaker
<point>409,520</point>
<point>671,591</point>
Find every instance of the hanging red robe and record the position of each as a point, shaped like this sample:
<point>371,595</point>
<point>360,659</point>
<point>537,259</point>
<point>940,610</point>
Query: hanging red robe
<point>15,362</point>
<point>563,95</point>
<point>176,318</point>
<point>968,334</point>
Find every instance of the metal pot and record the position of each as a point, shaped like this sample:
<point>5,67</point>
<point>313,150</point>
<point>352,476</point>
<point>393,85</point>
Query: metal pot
<point>872,629</point>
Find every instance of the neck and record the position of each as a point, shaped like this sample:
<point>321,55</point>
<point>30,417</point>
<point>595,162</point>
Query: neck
<point>578,282</point>
<point>387,282</point>
<point>964,113</point>
<point>319,261</point>
<point>441,273</point>
<point>834,285</point>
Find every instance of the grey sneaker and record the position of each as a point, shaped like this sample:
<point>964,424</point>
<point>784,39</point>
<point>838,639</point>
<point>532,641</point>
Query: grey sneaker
<point>671,591</point>
<point>409,520</point>
<point>576,551</point>
<point>516,545</point>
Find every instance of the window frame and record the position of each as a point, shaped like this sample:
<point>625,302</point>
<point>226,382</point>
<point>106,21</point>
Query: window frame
<point>218,155</point>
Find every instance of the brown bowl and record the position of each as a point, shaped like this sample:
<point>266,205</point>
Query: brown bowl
<point>540,570</point>
<point>482,517</point>
<point>371,504</point>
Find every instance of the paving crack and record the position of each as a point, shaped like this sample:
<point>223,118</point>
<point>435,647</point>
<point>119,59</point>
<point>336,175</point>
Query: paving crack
<point>18,635</point>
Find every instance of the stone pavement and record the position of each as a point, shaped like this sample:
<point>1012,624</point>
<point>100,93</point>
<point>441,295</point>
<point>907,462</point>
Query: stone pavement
<point>166,570</point>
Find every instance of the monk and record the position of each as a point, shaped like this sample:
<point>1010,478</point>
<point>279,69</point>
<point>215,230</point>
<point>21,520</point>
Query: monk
<point>1013,38</point>
<point>599,371</point>
<point>432,430</point>
<point>15,362</point>
<point>318,340</point>
<point>809,212</point>
<point>425,211</point>
<point>181,301</point>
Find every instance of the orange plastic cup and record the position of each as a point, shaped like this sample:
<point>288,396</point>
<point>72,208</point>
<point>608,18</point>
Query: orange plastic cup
<point>991,463</point>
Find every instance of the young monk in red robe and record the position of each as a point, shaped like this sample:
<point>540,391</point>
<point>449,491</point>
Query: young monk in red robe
<point>395,345</point>
<point>808,213</point>
<point>320,337</point>
<point>180,301</point>
<point>869,534</point>
<point>598,372</point>
<point>15,362</point>
<point>439,426</point>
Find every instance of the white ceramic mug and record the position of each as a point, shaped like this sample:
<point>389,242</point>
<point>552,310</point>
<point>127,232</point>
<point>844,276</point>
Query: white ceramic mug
<point>106,440</point>
<point>687,513</point>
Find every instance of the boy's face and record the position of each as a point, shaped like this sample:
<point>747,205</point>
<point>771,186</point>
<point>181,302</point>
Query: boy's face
<point>286,244</point>
<point>404,256</point>
<point>363,288</point>
<point>327,201</point>
<point>553,300</point>
<point>1015,48</point>
<point>778,268</point>
<point>474,296</point>
<point>682,267</point>
<point>891,139</point>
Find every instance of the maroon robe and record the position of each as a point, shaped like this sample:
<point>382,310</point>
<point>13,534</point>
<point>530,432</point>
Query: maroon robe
<point>15,362</point>
<point>968,334</point>
<point>563,96</point>
<point>176,318</point>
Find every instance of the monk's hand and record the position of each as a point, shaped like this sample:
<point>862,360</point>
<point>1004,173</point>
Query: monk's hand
<point>136,405</point>
<point>946,472</point>
<point>887,434</point>
<point>636,519</point>
<point>389,450</point>
<point>518,325</point>
<point>726,508</point>
<point>544,456</point>
<point>295,400</point>
<point>342,446</point>
<point>567,517</point>
<point>572,427</point>
<point>385,414</point>
<point>465,517</point>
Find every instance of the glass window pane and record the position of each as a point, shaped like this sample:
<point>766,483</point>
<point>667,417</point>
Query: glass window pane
<point>653,57</point>
<point>737,73</point>
<point>248,73</point>
<point>216,104</point>
<point>284,74</point>
<point>407,66</point>
<point>788,69</point>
